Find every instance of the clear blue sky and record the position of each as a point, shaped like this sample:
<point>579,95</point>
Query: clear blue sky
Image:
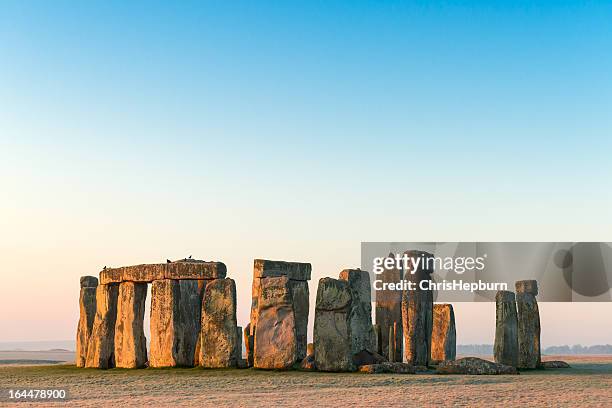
<point>134,132</point>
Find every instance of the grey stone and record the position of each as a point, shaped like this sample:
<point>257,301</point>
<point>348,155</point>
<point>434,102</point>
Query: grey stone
<point>301,299</point>
<point>527,286</point>
<point>332,329</point>
<point>443,335</point>
<point>193,269</point>
<point>219,334</point>
<point>388,368</point>
<point>101,347</point>
<point>389,311</point>
<point>554,364</point>
<point>249,344</point>
<point>362,332</point>
<point>506,329</point>
<point>264,268</point>
<point>275,333</point>
<point>474,366</point>
<point>130,341</point>
<point>528,331</point>
<point>87,314</point>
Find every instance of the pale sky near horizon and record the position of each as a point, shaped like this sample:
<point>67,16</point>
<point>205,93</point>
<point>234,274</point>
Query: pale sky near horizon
<point>132,133</point>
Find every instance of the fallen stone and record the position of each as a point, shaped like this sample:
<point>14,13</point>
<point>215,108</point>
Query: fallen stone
<point>362,332</point>
<point>193,269</point>
<point>101,347</point>
<point>474,366</point>
<point>275,333</point>
<point>130,341</point>
<point>389,311</point>
<point>417,311</point>
<point>554,364</point>
<point>387,368</point>
<point>365,357</point>
<point>528,325</point>
<point>506,329</point>
<point>219,334</point>
<point>332,329</point>
<point>443,335</point>
<point>87,314</point>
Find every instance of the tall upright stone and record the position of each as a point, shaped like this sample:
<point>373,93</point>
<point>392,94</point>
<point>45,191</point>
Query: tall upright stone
<point>417,309</point>
<point>275,334</point>
<point>174,322</point>
<point>249,345</point>
<point>87,314</point>
<point>389,311</point>
<point>101,347</point>
<point>201,288</point>
<point>528,324</point>
<point>443,335</point>
<point>219,333</point>
<point>130,341</point>
<point>506,329</point>
<point>332,326</point>
<point>362,331</point>
<point>301,299</point>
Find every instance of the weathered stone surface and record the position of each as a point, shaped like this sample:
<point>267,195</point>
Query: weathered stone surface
<point>219,334</point>
<point>528,330</point>
<point>362,332</point>
<point>238,350</point>
<point>196,355</point>
<point>254,299</point>
<point>101,347</point>
<point>365,357</point>
<point>506,329</point>
<point>554,364</point>
<point>417,311</point>
<point>174,322</point>
<point>443,335</point>
<point>389,311</point>
<point>242,363</point>
<point>275,334</point>
<point>378,336</point>
<point>130,341</point>
<point>249,345</point>
<point>392,344</point>
<point>193,269</point>
<point>264,268</point>
<point>387,367</point>
<point>308,363</point>
<point>89,282</point>
<point>527,286</point>
<point>332,329</point>
<point>87,314</point>
<point>301,299</point>
<point>474,366</point>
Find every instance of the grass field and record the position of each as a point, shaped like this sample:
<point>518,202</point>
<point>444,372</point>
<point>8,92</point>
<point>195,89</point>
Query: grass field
<point>587,383</point>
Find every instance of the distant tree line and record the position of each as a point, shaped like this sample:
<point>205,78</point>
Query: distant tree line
<point>487,349</point>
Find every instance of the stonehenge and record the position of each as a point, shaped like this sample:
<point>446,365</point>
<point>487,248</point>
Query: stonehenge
<point>506,329</point>
<point>443,334</point>
<point>417,312</point>
<point>87,314</point>
<point>528,324</point>
<point>194,321</point>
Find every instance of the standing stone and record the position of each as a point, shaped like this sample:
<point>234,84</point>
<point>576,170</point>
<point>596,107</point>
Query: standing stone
<point>417,310</point>
<point>275,334</point>
<point>443,335</point>
<point>506,329</point>
<point>528,324</point>
<point>301,299</point>
<point>190,309</point>
<point>391,348</point>
<point>219,334</point>
<point>377,335</point>
<point>165,323</point>
<point>196,355</point>
<point>101,347</point>
<point>332,328</point>
<point>389,311</point>
<point>87,314</point>
<point>362,332</point>
<point>130,341</point>
<point>249,345</point>
<point>238,348</point>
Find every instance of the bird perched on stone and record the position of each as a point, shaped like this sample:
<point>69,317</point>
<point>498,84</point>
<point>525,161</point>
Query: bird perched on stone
<point>168,261</point>
<point>104,268</point>
<point>189,257</point>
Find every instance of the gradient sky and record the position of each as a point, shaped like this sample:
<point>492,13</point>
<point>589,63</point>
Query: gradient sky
<point>132,133</point>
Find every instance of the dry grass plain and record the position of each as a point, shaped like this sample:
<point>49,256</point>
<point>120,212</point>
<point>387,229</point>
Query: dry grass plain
<point>587,383</point>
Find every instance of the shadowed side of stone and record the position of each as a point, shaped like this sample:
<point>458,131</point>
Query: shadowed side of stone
<point>87,314</point>
<point>249,345</point>
<point>332,329</point>
<point>275,334</point>
<point>389,312</point>
<point>130,341</point>
<point>219,334</point>
<point>506,329</point>
<point>474,366</point>
<point>101,347</point>
<point>443,336</point>
<point>360,316</point>
<point>528,325</point>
